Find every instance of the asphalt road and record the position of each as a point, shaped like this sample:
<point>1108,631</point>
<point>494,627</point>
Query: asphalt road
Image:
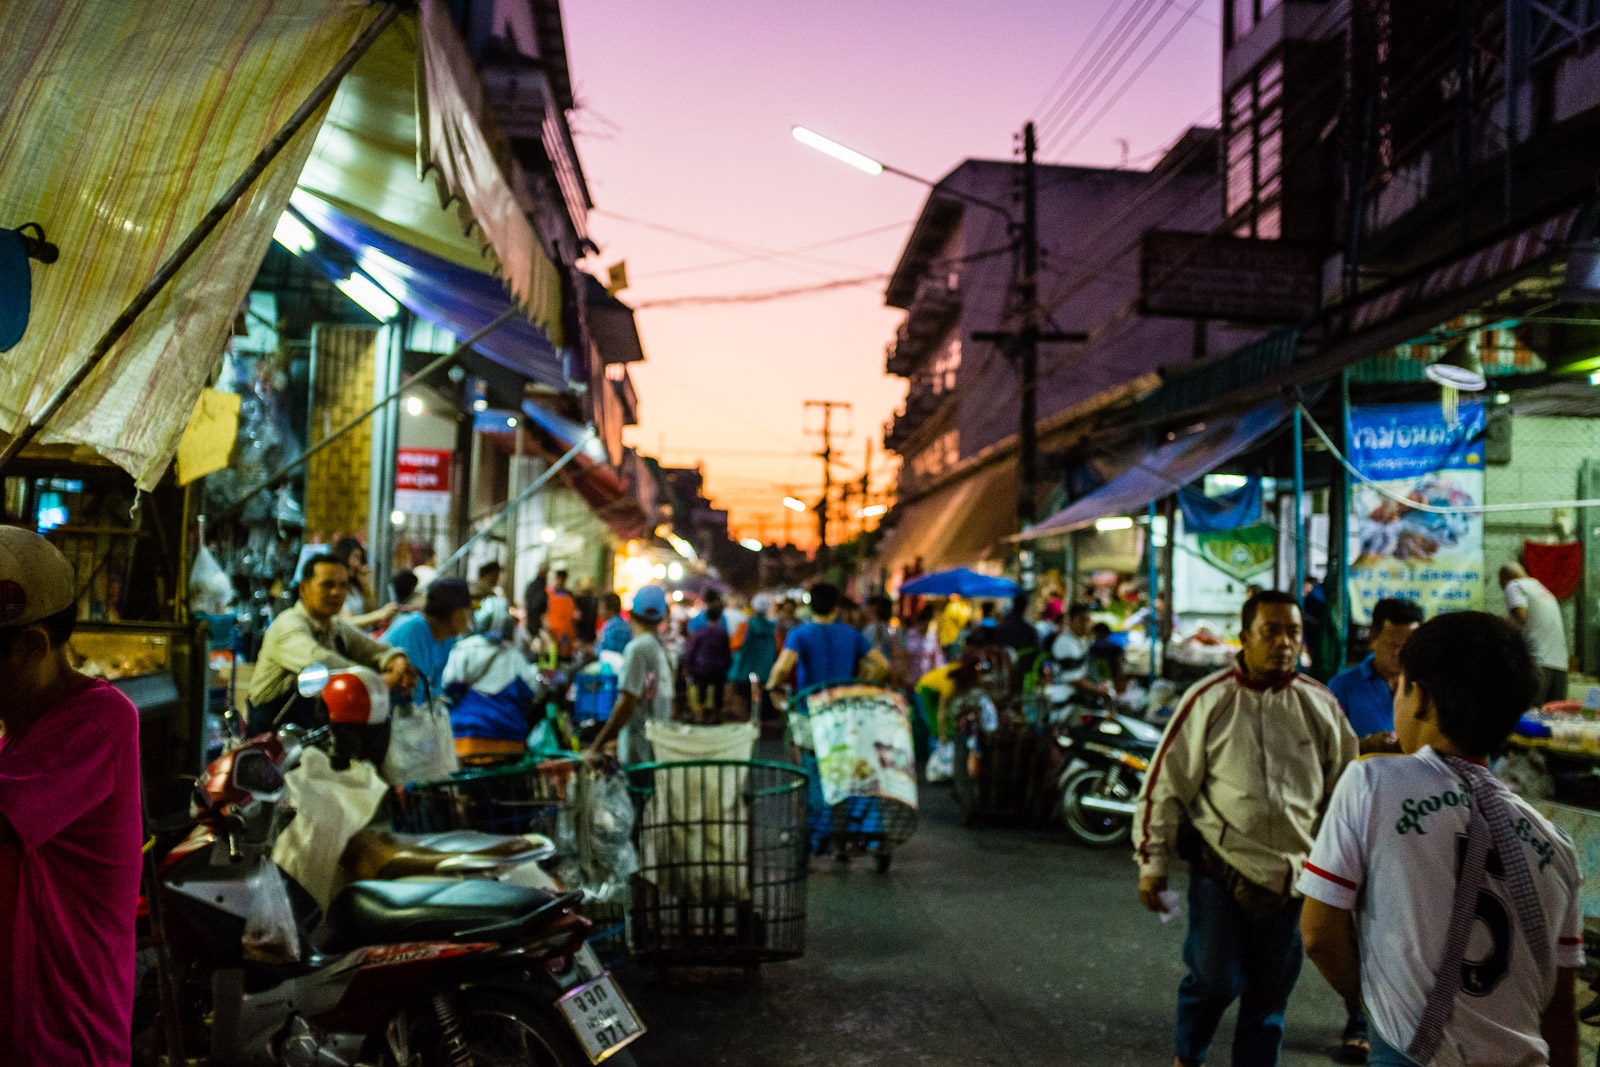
<point>993,946</point>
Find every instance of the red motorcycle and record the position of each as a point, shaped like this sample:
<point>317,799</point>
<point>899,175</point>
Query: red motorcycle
<point>405,973</point>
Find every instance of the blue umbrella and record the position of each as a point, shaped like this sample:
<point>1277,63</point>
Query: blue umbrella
<point>962,582</point>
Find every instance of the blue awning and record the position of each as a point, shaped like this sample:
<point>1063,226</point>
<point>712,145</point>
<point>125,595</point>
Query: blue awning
<point>1164,470</point>
<point>448,295</point>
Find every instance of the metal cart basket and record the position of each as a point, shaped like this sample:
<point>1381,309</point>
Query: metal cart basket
<point>722,863</point>
<point>525,797</point>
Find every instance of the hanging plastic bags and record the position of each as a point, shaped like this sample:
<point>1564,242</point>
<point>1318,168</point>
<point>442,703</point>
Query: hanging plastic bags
<point>270,932</point>
<point>422,747</point>
<point>941,762</point>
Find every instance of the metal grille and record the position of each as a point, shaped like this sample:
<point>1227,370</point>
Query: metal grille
<point>524,798</point>
<point>722,862</point>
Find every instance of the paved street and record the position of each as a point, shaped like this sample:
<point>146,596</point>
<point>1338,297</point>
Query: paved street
<point>981,947</point>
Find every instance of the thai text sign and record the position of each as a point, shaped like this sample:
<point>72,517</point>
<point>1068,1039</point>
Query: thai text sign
<point>1243,279</point>
<point>1419,460</point>
<point>422,481</point>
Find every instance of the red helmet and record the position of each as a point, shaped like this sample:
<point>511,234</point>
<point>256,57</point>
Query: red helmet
<point>356,696</point>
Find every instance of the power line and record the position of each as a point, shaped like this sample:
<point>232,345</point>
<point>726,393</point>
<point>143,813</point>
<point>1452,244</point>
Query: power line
<point>759,297</point>
<point>787,252</point>
<point>1106,74</point>
<point>1083,47</point>
<point>1112,52</point>
<point>773,255</point>
<point>1122,89</point>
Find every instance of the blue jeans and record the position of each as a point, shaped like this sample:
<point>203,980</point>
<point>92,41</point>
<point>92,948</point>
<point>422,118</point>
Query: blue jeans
<point>1233,954</point>
<point>1384,1054</point>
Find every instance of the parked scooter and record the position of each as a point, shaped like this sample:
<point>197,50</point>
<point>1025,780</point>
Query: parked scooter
<point>1106,755</point>
<point>408,973</point>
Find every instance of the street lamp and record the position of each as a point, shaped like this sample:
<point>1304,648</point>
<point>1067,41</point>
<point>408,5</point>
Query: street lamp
<point>751,543</point>
<point>873,512</point>
<point>794,503</point>
<point>1022,342</point>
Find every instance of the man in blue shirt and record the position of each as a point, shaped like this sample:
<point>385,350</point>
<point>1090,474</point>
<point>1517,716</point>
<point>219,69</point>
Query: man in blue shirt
<point>1366,694</point>
<point>427,637</point>
<point>615,633</point>
<point>825,650</point>
<point>1366,691</point>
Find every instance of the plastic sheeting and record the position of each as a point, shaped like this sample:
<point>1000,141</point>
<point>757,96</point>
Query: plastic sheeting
<point>120,125</point>
<point>1162,471</point>
<point>589,475</point>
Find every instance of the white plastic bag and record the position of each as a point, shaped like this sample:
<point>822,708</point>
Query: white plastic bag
<point>210,591</point>
<point>605,836</point>
<point>941,762</point>
<point>421,745</point>
<point>270,933</point>
<point>689,846</point>
<point>330,806</point>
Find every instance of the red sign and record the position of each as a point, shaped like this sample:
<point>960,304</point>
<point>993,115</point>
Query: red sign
<point>422,481</point>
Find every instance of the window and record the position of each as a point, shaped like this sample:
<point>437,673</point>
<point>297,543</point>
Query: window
<point>1253,185</point>
<point>1242,16</point>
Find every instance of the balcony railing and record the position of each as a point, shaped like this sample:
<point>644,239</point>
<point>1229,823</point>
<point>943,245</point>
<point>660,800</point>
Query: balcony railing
<point>933,310</point>
<point>925,397</point>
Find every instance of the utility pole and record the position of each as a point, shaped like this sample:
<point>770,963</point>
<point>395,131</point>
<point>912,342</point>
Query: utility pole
<point>866,487</point>
<point>1023,345</point>
<point>826,455</point>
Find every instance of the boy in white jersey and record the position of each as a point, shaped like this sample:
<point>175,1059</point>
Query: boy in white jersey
<point>1433,893</point>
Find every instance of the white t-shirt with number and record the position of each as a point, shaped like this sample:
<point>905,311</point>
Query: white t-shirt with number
<point>1546,635</point>
<point>1389,849</point>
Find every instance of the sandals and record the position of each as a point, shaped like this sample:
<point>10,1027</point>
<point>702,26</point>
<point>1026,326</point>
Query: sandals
<point>1353,1046</point>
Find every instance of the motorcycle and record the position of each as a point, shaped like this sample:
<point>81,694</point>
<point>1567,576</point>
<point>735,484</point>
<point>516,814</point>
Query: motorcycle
<point>407,973</point>
<point>1105,757</point>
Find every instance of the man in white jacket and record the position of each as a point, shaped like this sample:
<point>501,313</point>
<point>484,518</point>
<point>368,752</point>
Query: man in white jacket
<point>1238,788</point>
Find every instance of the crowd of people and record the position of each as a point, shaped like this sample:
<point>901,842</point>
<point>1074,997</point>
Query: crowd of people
<point>1442,907</point>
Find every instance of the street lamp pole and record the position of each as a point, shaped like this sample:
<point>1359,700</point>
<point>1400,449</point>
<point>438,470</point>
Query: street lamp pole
<point>1022,343</point>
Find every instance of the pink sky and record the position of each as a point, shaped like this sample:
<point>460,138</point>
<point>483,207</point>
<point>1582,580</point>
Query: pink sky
<point>684,117</point>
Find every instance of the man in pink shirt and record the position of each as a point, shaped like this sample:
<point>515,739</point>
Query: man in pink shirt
<point>70,828</point>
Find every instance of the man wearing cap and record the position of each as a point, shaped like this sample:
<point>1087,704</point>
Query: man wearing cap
<point>312,632</point>
<point>646,680</point>
<point>426,638</point>
<point>70,830</point>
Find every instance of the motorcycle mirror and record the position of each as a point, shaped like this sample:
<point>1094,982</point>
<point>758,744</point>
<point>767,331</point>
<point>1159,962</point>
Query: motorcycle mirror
<point>313,680</point>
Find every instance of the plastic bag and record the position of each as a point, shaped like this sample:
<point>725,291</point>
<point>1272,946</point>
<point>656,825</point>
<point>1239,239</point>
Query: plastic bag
<point>422,747</point>
<point>942,762</point>
<point>270,933</point>
<point>330,806</point>
<point>605,837</point>
<point>210,590</point>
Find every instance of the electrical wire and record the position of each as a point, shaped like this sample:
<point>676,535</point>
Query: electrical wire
<point>773,255</point>
<point>1083,47</point>
<point>1104,76</point>
<point>1096,63</point>
<point>759,297</point>
<point>787,252</point>
<point>1432,509</point>
<point>1161,46</point>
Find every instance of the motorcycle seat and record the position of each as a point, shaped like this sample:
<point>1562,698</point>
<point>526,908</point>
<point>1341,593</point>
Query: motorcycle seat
<point>380,913</point>
<point>378,854</point>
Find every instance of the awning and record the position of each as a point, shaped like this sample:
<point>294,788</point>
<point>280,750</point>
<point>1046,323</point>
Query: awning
<point>611,324</point>
<point>370,160</point>
<point>589,474</point>
<point>120,125</point>
<point>963,523</point>
<point>452,297</point>
<point>1162,471</point>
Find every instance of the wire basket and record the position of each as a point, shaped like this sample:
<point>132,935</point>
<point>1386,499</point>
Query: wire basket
<point>875,825</point>
<point>525,797</point>
<point>722,863</point>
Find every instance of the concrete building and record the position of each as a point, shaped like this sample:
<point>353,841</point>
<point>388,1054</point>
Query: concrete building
<point>957,431</point>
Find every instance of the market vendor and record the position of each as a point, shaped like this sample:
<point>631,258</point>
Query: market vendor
<point>313,632</point>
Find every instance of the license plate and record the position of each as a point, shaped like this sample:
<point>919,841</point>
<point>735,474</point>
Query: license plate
<point>601,1017</point>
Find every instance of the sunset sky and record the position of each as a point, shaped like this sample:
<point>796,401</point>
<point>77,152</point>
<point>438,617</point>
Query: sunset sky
<point>683,120</point>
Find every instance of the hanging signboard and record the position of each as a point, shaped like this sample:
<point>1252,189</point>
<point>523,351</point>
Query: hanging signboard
<point>422,481</point>
<point>1417,457</point>
<point>1238,279</point>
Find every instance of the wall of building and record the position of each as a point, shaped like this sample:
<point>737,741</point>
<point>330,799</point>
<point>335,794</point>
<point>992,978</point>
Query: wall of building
<point>1546,454</point>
